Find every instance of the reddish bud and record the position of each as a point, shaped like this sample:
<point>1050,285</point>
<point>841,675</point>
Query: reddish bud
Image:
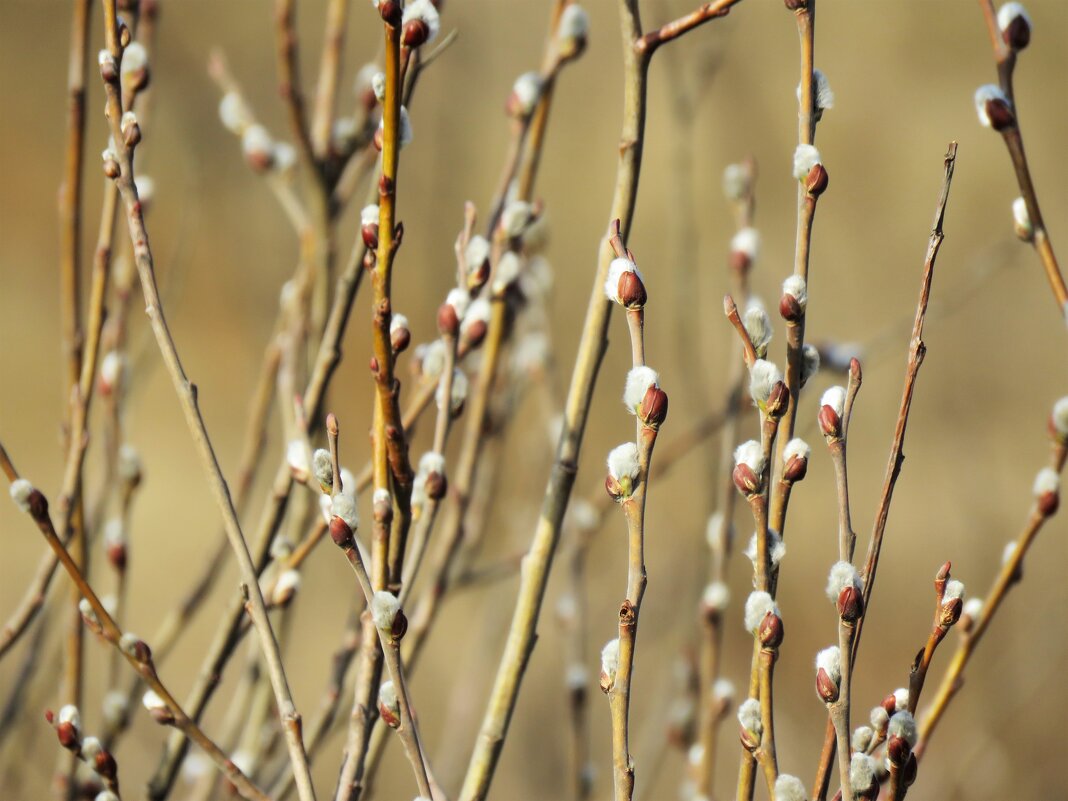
<point>778,401</point>
<point>391,11</point>
<point>889,704</point>
<point>400,339</point>
<point>104,764</point>
<point>1017,34</point>
<point>1048,503</point>
<point>790,309</point>
<point>109,68</point>
<point>615,492</point>
<point>898,750</point>
<point>796,469</point>
<point>817,180</point>
<point>1000,114</point>
<point>830,422</point>
<point>826,688</point>
<point>850,603</point>
<point>116,553</point>
<point>415,33</point>
<point>68,735</point>
<point>654,408</point>
<point>448,320</point>
<point>745,479</point>
<point>771,631</point>
<point>111,169</point>
<point>379,133</point>
<point>389,716</point>
<point>949,613</point>
<point>436,486</point>
<point>739,261</point>
<point>400,626</point>
<point>340,533</point>
<point>474,333</point>
<point>631,290</point>
<point>369,233</point>
<point>749,741</point>
<point>909,774</point>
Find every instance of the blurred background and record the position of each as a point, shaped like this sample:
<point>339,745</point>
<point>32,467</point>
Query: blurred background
<point>903,74</point>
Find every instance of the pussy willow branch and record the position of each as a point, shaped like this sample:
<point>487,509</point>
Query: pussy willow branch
<point>709,714</point>
<point>593,342</point>
<point>391,472</point>
<point>630,610</point>
<point>187,397</point>
<point>806,211</point>
<point>1006,578</point>
<point>917,350</point>
<point>1005,58</point>
<point>139,656</point>
<point>326,361</point>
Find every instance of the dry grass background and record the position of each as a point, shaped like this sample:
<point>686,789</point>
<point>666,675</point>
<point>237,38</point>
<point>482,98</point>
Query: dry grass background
<point>904,74</point>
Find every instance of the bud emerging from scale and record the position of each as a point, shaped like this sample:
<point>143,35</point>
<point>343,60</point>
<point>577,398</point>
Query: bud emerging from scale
<point>369,216</point>
<point>789,788</point>
<point>451,312</point>
<point>901,735</point>
<point>68,726</point>
<point>399,334</point>
<point>623,471</point>
<point>745,245</point>
<point>748,467</point>
<point>715,598</point>
<point>233,114</point>
<point>757,326</point>
<point>572,31</point>
<point>845,591</point>
<point>387,614</point>
<point>973,607</point>
<point>832,407</point>
<point>133,646</point>
<point>810,362</point>
<point>21,490</point>
<point>763,375</point>
<point>896,701</point>
<point>457,393</point>
<point>134,68</point>
<point>795,460</point>
<point>420,23</point>
<point>285,588</point>
<point>794,299</point>
<point>525,94</point>
<point>343,507</point>
<point>1047,491</point>
<point>1058,419</point>
<point>431,475</point>
<point>1015,26</point>
<point>323,468</point>
<point>750,725</point>
<point>508,268</point>
<point>643,396</point>
<point>258,148</point>
<point>388,704</point>
<point>994,108</point>
<point>952,603</point>
<point>477,261</point>
<point>109,68</point>
<point>157,708</point>
<point>624,284</point>
<point>828,674</point>
<point>115,543</point>
<point>609,664</point>
<point>475,324</point>
<point>758,606</point>
<point>809,169</point>
<point>1021,220</point>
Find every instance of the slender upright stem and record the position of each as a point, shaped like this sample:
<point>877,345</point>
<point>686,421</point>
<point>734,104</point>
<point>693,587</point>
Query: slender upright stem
<point>187,395</point>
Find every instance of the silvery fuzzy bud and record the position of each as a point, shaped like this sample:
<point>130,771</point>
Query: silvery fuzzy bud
<point>624,284</point>
<point>748,467</point>
<point>1015,26</point>
<point>157,708</point>
<point>994,108</point>
<point>387,614</point>
<point>828,674</point>
<point>624,471</point>
<point>795,460</point>
<point>389,704</point>
<point>609,665</point>
<point>832,407</point>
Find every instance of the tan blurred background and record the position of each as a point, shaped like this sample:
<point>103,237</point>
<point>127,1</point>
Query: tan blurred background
<point>903,73</point>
